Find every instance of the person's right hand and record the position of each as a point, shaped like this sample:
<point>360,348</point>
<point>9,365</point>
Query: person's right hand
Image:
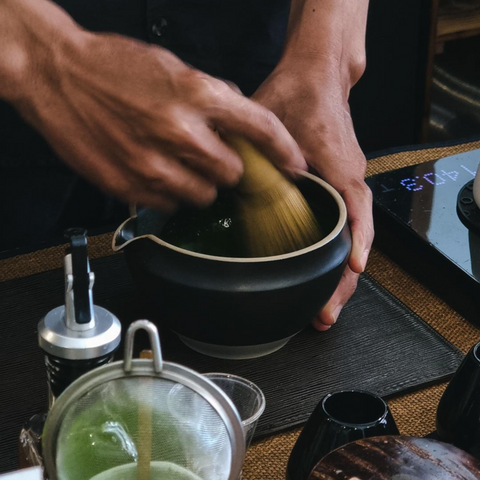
<point>135,120</point>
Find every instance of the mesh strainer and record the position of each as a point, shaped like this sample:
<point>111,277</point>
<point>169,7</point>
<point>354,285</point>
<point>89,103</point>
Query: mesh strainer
<point>143,419</point>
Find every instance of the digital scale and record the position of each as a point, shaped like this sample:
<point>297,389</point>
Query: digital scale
<point>427,220</point>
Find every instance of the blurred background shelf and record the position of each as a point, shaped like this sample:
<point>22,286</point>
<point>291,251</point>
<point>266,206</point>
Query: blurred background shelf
<point>452,97</point>
<point>463,24</point>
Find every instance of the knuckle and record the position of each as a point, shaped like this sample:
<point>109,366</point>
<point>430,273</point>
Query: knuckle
<point>365,192</point>
<point>196,76</point>
<point>351,281</point>
<point>366,236</point>
<point>370,234</point>
<point>149,172</point>
<point>205,196</point>
<point>358,69</point>
<point>193,148</point>
<point>358,187</point>
<point>270,122</point>
<point>205,89</point>
<point>232,174</point>
<point>233,86</point>
<point>217,88</point>
<point>225,167</point>
<point>236,174</point>
<point>228,181</point>
<point>178,132</point>
<point>372,237</point>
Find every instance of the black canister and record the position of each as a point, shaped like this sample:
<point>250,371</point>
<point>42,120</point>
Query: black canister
<point>78,336</point>
<point>458,412</point>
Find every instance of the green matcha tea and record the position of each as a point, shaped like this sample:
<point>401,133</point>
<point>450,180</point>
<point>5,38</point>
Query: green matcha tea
<point>103,436</point>
<point>158,471</point>
<point>218,230</point>
<point>215,230</point>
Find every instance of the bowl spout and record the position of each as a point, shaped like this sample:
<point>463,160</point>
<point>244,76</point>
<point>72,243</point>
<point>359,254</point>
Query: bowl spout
<point>125,234</point>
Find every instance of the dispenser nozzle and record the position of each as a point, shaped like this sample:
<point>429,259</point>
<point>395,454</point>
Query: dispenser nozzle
<point>79,282</point>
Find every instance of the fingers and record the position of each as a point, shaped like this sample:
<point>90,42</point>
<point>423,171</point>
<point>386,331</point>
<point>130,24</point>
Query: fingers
<point>159,181</point>
<point>262,128</point>
<point>148,138</point>
<point>167,176</point>
<point>154,199</point>
<point>154,176</point>
<point>233,86</point>
<point>358,200</point>
<point>207,154</point>
<point>143,176</point>
<point>329,314</point>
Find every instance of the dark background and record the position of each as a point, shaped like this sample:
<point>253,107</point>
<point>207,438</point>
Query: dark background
<point>387,104</point>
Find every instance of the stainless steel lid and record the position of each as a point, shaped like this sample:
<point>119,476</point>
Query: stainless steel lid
<point>57,339</point>
<point>79,330</point>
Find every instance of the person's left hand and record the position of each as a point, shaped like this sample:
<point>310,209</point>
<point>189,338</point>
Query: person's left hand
<point>315,110</point>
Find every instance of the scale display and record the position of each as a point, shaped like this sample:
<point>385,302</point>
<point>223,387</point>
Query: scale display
<point>424,199</point>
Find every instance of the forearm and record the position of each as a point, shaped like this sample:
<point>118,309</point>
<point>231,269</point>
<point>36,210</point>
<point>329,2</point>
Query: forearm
<point>327,36</point>
<point>33,34</point>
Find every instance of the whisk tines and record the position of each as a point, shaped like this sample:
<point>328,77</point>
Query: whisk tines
<point>276,216</point>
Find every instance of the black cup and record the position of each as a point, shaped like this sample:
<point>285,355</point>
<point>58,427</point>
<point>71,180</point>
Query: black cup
<point>339,418</point>
<point>458,413</point>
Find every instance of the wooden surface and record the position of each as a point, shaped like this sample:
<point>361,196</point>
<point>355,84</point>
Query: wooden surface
<point>399,457</point>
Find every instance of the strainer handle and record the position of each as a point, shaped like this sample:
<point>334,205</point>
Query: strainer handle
<point>152,331</point>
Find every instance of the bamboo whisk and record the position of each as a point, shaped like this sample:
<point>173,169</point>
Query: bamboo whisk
<point>276,217</point>
<point>144,447</point>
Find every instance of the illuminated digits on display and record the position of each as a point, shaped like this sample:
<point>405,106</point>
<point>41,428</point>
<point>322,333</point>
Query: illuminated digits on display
<point>428,175</point>
<point>433,178</point>
<point>452,175</point>
<point>469,171</point>
<point>410,184</point>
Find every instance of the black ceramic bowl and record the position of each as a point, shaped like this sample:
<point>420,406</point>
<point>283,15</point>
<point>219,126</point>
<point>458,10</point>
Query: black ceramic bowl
<point>238,307</point>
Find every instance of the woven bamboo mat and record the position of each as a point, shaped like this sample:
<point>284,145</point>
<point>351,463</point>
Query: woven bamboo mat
<point>415,412</point>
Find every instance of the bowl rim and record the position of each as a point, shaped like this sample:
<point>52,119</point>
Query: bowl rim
<point>342,219</point>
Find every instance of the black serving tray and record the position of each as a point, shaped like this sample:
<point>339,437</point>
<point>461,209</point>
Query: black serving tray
<point>378,345</point>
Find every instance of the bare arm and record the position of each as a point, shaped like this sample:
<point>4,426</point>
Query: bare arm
<point>130,117</point>
<point>30,33</point>
<point>328,34</point>
<point>324,56</point>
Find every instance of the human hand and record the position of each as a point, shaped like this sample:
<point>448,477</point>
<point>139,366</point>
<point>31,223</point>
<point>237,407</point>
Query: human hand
<point>130,117</point>
<point>315,111</point>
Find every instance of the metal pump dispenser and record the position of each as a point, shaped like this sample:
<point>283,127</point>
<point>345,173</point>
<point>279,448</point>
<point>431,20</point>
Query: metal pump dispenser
<point>78,336</point>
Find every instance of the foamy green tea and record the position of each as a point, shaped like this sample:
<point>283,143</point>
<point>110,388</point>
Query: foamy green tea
<point>215,230</point>
<point>219,229</point>
<point>158,470</point>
